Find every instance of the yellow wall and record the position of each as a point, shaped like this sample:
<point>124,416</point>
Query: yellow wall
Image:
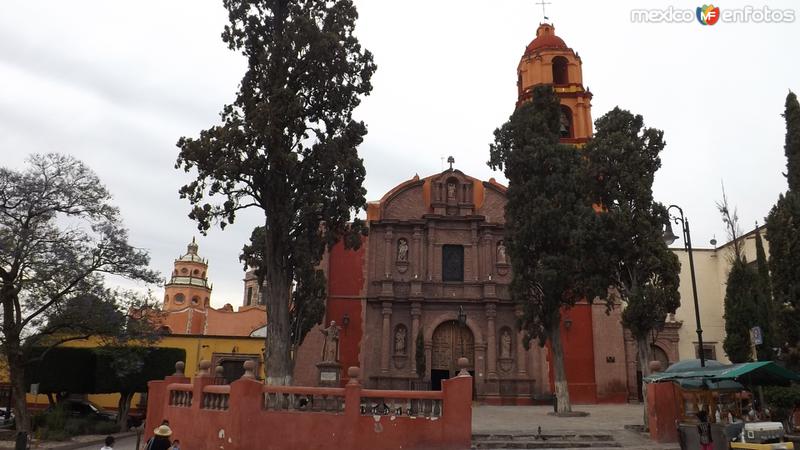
<point>197,348</point>
<point>711,272</point>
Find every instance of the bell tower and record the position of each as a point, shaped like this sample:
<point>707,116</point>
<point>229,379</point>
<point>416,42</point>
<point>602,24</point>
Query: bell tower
<point>548,60</point>
<point>188,286</point>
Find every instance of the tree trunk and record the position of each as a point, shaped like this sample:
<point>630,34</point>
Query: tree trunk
<point>16,373</point>
<point>645,354</point>
<point>277,349</point>
<point>559,374</point>
<point>123,409</point>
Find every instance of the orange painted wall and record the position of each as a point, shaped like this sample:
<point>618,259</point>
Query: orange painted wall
<point>663,411</point>
<point>345,291</point>
<point>578,344</point>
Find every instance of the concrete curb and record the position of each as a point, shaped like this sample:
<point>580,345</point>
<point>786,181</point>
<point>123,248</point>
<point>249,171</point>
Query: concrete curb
<point>98,441</point>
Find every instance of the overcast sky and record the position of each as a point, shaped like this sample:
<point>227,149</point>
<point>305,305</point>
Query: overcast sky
<point>117,83</point>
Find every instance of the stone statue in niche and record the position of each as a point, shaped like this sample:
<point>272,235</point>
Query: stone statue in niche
<point>400,341</point>
<point>501,253</point>
<point>330,350</point>
<point>402,250</point>
<point>451,191</point>
<point>505,345</point>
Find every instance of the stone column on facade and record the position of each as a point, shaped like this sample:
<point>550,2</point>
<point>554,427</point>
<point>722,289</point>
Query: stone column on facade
<point>416,259</point>
<point>491,342</point>
<point>522,369</point>
<point>416,312</point>
<point>476,252</point>
<point>431,239</point>
<point>388,253</point>
<point>487,256</point>
<point>428,359</point>
<point>386,332</point>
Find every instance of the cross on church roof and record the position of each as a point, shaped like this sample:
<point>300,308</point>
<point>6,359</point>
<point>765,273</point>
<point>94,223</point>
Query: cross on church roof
<point>543,3</point>
<point>451,161</point>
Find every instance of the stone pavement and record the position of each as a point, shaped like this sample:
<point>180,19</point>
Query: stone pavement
<point>602,419</point>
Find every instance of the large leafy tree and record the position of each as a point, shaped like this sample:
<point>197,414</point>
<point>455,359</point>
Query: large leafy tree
<point>286,145</point>
<point>783,234</point>
<point>623,159</point>
<point>59,236</point>
<point>552,230</point>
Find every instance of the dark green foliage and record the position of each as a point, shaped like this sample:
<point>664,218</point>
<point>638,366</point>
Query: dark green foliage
<point>420,354</point>
<point>792,146</point>
<point>553,235</point>
<point>550,224</point>
<point>287,145</point>
<point>783,234</point>
<point>767,316</point>
<point>101,370</point>
<point>782,400</point>
<point>741,310</point>
<point>623,159</point>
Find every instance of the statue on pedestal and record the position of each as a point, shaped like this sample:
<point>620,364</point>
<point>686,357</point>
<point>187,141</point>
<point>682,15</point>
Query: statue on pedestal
<point>330,351</point>
<point>402,250</point>
<point>501,253</point>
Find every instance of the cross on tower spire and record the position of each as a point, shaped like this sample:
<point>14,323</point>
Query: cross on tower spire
<point>543,3</point>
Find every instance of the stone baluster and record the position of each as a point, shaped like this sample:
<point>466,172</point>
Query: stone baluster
<point>386,336</point>
<point>491,341</point>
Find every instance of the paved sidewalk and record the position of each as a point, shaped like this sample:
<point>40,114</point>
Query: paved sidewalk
<point>610,419</point>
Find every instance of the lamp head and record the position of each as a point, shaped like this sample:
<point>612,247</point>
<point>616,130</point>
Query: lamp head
<point>462,316</point>
<point>669,235</point>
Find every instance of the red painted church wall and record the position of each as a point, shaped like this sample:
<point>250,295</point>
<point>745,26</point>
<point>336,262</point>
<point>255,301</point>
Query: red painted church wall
<point>578,343</point>
<point>345,291</point>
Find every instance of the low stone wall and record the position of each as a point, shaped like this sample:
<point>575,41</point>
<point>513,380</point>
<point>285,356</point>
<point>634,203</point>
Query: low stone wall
<point>248,414</point>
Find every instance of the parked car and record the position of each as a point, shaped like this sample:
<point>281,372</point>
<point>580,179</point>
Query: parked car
<point>86,409</point>
<point>6,416</point>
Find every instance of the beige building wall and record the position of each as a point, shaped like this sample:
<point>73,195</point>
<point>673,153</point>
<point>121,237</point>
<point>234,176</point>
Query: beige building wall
<point>711,271</point>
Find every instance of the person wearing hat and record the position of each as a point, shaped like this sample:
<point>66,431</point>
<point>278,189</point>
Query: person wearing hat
<point>161,439</point>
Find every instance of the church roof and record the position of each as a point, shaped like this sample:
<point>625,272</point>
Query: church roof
<point>545,39</point>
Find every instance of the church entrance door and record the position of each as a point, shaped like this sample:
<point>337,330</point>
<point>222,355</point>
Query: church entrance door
<point>450,342</point>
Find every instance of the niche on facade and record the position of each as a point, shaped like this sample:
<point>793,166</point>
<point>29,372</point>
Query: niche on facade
<point>400,346</point>
<point>505,350</point>
<point>179,299</point>
<point>501,258</point>
<point>402,255</point>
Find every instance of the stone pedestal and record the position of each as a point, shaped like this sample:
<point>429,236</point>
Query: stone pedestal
<point>329,373</point>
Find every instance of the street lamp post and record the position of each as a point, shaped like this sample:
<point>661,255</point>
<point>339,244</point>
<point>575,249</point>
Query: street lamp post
<point>462,322</point>
<point>669,238</point>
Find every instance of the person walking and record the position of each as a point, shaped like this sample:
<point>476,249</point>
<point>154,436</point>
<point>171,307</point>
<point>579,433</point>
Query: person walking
<point>161,439</point>
<point>704,430</point>
<point>109,445</point>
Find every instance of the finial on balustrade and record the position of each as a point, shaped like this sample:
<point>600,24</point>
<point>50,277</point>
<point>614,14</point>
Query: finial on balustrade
<point>179,366</point>
<point>249,369</point>
<point>205,368</point>
<point>463,363</point>
<point>353,373</point>
<point>219,372</point>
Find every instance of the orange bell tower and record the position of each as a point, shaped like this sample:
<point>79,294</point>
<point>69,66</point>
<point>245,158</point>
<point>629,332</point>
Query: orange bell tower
<point>548,60</point>
<point>188,286</point>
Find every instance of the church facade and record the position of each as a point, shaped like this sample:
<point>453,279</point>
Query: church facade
<point>430,284</point>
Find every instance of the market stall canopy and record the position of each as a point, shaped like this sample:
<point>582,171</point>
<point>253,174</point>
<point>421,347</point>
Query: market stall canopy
<point>762,373</point>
